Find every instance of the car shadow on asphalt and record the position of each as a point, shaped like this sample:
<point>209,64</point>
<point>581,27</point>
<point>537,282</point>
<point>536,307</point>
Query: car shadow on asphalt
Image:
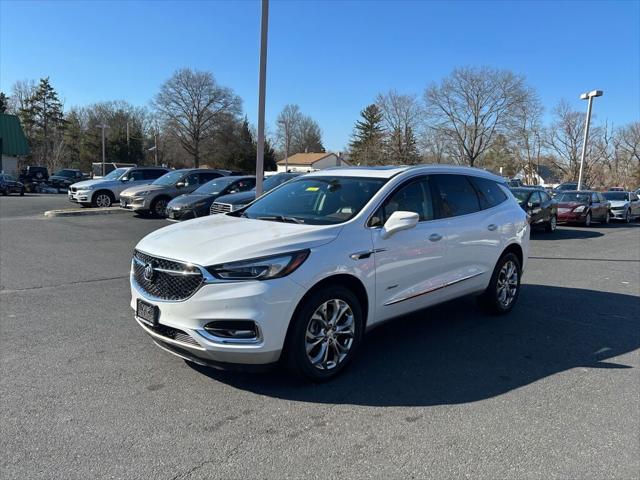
<point>565,234</point>
<point>453,353</point>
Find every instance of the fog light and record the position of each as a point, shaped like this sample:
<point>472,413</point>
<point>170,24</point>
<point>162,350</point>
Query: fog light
<point>236,329</point>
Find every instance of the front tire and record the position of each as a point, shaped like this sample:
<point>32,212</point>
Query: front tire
<point>607,218</point>
<point>159,207</point>
<point>627,217</point>
<point>326,331</point>
<point>504,287</point>
<point>552,224</point>
<point>587,220</point>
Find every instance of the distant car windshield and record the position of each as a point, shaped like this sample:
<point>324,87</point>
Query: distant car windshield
<point>115,174</point>
<point>66,173</point>
<point>573,197</point>
<point>7,177</point>
<point>316,200</point>
<point>567,186</point>
<point>616,196</point>
<point>214,187</point>
<point>521,195</point>
<point>169,178</point>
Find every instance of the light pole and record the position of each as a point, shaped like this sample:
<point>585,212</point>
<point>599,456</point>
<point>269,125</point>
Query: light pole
<point>261,96</point>
<point>103,126</point>
<point>586,96</point>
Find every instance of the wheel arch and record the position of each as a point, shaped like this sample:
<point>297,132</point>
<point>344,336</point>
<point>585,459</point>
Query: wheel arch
<point>103,190</point>
<point>349,281</point>
<point>516,249</point>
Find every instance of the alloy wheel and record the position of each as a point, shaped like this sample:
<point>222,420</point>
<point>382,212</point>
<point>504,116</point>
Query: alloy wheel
<point>330,334</point>
<point>160,208</point>
<point>627,217</point>
<point>103,200</point>
<point>507,285</point>
<point>587,220</point>
<point>553,223</point>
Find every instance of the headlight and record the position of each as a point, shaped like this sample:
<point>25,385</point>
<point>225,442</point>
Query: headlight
<point>579,208</point>
<point>143,194</point>
<point>264,268</point>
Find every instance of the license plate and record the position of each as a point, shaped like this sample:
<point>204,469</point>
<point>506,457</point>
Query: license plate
<point>147,313</point>
<point>123,203</point>
<point>172,214</point>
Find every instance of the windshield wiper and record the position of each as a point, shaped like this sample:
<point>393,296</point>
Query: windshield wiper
<point>281,218</point>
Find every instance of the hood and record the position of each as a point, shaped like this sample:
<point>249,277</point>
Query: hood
<point>133,191</point>
<point>189,199</point>
<point>94,183</point>
<point>240,198</point>
<point>618,203</point>
<point>222,238</point>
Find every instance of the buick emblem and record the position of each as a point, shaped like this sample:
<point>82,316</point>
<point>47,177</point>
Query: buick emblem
<point>148,272</point>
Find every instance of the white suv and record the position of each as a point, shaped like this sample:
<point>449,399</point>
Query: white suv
<point>300,274</point>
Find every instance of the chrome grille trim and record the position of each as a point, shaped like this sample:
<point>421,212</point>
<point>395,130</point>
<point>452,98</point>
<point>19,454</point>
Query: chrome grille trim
<point>219,208</point>
<point>171,281</point>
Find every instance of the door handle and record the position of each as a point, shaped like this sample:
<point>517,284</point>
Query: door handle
<point>435,237</point>
<point>492,227</point>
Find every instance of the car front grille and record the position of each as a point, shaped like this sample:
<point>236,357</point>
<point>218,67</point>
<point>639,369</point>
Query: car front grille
<point>219,208</point>
<point>165,279</point>
<point>618,208</point>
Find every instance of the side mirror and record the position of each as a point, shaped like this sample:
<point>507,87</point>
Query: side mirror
<point>180,185</point>
<point>124,179</point>
<point>399,220</point>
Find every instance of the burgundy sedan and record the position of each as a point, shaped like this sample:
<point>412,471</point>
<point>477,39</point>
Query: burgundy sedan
<point>582,207</point>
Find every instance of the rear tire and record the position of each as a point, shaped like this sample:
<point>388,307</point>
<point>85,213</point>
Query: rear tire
<point>607,218</point>
<point>504,287</point>
<point>103,199</point>
<point>325,334</point>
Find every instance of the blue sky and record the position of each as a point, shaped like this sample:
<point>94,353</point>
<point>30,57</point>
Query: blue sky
<point>330,57</point>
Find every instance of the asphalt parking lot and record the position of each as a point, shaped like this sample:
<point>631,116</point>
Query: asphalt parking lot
<point>549,391</point>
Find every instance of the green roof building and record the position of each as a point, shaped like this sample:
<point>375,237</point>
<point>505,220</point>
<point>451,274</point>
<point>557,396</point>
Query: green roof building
<point>13,143</point>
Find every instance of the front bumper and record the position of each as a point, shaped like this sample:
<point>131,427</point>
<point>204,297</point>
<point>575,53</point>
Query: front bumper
<point>134,203</point>
<point>619,214</point>
<point>79,196</point>
<point>270,304</point>
<point>571,216</point>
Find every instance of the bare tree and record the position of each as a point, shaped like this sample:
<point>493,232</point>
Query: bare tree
<point>21,92</point>
<point>401,114</point>
<point>191,102</point>
<point>307,136</point>
<point>472,106</point>
<point>526,134</point>
<point>287,123</point>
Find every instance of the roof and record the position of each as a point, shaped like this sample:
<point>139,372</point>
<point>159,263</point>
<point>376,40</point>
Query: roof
<point>14,142</point>
<point>305,158</point>
<point>392,171</point>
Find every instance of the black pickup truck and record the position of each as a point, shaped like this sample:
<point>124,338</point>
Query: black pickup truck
<point>66,177</point>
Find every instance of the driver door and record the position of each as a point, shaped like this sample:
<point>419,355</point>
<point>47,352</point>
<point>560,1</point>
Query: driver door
<point>410,264</point>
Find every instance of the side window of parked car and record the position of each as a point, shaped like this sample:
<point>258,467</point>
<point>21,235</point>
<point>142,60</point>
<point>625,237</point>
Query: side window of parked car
<point>208,176</point>
<point>594,198</point>
<point>545,197</point>
<point>489,192</point>
<point>152,174</point>
<point>412,197</point>
<point>244,185</point>
<point>135,175</point>
<point>535,198</point>
<point>454,196</point>
<point>633,197</point>
<point>191,180</point>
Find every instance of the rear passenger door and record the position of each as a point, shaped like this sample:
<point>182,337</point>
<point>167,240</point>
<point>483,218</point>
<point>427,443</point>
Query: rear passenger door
<point>598,209</point>
<point>634,201</point>
<point>470,206</point>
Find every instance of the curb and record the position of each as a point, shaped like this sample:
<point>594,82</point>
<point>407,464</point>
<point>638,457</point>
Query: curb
<point>76,212</point>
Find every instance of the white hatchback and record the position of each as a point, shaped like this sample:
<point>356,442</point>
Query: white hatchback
<point>301,273</point>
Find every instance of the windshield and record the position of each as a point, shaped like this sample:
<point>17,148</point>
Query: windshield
<point>214,187</point>
<point>567,186</point>
<point>316,200</point>
<point>66,173</point>
<point>115,174</point>
<point>6,177</point>
<point>521,195</point>
<point>574,197</point>
<point>169,178</point>
<point>616,196</point>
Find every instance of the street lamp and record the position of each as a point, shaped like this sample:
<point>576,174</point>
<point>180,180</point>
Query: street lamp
<point>586,96</point>
<point>264,25</point>
<point>103,126</point>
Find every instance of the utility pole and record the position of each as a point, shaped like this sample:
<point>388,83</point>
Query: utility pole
<point>261,96</point>
<point>586,96</point>
<point>128,155</point>
<point>103,126</point>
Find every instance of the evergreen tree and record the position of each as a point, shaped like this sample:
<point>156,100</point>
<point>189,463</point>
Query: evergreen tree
<point>367,143</point>
<point>44,124</point>
<point>4,103</point>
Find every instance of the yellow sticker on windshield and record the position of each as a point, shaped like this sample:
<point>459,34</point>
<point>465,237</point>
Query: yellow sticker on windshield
<point>312,189</point>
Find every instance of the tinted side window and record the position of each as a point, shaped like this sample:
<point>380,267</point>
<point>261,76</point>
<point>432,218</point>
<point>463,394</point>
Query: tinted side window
<point>535,198</point>
<point>413,197</point>
<point>191,180</point>
<point>135,175</point>
<point>152,174</point>
<point>544,196</point>
<point>594,197</point>
<point>207,176</point>
<point>489,192</point>
<point>244,185</point>
<point>454,196</point>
